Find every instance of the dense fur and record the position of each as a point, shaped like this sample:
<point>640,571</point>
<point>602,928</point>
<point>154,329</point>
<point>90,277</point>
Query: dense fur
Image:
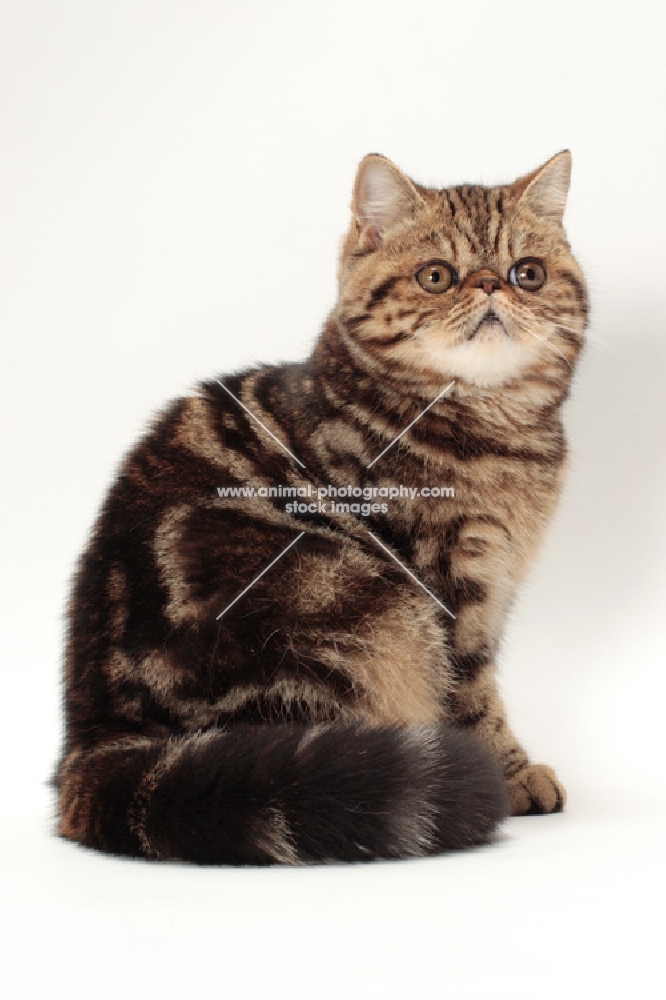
<point>335,711</point>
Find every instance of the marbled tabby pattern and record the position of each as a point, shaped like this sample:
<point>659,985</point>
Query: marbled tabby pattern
<point>336,711</point>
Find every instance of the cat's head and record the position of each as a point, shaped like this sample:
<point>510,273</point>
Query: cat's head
<point>476,283</point>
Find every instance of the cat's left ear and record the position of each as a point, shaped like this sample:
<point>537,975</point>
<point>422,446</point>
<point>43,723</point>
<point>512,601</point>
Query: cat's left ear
<point>383,197</point>
<point>544,191</point>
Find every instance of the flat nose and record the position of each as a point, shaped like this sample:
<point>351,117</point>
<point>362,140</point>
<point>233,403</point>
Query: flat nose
<point>485,279</point>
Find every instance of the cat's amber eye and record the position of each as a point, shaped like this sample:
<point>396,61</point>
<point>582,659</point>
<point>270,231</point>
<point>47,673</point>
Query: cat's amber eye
<point>436,276</point>
<point>528,273</point>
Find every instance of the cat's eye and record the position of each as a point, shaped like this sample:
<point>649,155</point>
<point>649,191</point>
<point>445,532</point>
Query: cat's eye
<point>436,276</point>
<point>528,273</point>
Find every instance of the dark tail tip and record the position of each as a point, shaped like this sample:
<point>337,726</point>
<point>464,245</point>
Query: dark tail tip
<point>473,797</point>
<point>330,792</point>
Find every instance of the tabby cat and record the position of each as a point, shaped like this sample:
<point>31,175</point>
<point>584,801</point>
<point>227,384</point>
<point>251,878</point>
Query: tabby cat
<point>257,680</point>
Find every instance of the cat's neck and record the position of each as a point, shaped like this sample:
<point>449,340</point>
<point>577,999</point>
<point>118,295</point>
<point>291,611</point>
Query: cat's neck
<point>347,375</point>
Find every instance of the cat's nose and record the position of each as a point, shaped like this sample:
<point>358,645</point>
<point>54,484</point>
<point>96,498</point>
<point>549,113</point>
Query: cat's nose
<point>487,280</point>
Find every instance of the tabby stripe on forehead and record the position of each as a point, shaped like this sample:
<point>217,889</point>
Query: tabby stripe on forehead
<point>498,229</point>
<point>476,243</point>
<point>452,207</point>
<point>488,214</point>
<point>454,220</point>
<point>480,220</point>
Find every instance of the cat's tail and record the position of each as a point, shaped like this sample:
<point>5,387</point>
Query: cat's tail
<point>284,794</point>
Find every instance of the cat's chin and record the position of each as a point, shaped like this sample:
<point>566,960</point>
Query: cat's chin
<point>485,363</point>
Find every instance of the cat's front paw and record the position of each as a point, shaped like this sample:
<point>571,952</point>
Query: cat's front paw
<point>535,790</point>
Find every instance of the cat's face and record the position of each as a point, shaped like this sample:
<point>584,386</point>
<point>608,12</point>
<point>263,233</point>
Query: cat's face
<point>470,282</point>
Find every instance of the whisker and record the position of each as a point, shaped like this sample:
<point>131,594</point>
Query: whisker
<point>602,343</point>
<point>543,341</point>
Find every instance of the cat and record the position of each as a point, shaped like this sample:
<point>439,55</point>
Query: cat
<point>256,680</point>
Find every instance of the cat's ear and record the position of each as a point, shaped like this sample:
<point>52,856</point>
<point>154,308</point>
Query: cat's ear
<point>544,191</point>
<point>383,197</point>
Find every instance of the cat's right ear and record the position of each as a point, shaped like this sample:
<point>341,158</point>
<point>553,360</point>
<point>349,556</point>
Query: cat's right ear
<point>383,197</point>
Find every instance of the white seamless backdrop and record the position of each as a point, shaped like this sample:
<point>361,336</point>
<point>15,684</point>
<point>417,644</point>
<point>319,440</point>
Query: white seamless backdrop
<point>175,177</point>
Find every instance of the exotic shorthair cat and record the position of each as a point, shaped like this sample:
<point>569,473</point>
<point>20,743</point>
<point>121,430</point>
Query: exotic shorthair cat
<point>254,679</point>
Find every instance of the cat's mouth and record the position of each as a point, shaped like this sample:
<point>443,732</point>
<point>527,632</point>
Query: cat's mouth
<point>489,320</point>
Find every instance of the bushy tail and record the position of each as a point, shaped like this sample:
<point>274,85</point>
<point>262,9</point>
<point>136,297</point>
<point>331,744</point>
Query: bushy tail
<point>255,795</point>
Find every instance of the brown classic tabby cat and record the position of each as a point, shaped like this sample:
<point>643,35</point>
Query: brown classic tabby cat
<point>336,710</point>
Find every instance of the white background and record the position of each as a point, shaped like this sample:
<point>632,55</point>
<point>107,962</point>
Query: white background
<point>176,175</point>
